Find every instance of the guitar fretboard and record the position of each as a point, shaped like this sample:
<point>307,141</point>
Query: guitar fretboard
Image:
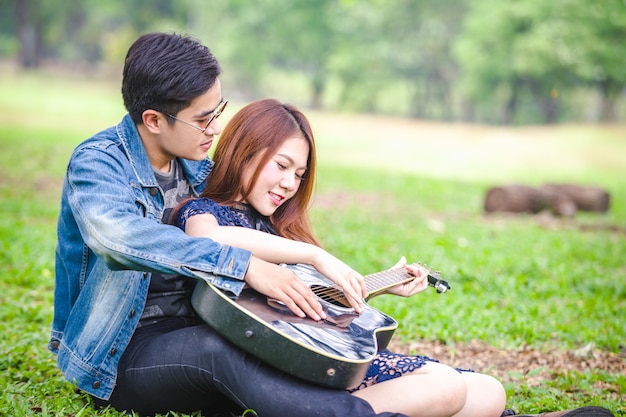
<point>374,284</point>
<point>382,280</point>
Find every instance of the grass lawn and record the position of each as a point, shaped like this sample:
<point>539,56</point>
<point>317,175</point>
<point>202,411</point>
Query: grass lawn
<point>537,300</point>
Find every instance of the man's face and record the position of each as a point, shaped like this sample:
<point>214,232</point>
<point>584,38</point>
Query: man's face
<point>184,138</point>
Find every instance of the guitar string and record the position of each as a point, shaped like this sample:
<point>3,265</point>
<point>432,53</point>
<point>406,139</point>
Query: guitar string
<point>381,279</point>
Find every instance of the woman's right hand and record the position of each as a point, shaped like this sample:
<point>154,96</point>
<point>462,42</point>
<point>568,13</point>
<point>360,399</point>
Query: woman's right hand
<point>350,281</point>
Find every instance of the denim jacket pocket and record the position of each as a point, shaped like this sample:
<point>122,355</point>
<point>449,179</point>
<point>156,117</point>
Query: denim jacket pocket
<point>145,200</point>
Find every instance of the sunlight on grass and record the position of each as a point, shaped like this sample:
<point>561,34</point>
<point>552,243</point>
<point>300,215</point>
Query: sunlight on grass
<point>472,152</point>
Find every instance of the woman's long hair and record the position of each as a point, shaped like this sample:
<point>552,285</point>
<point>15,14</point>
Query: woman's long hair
<point>254,135</point>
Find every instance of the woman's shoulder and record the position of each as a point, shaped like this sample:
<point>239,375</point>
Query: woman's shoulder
<point>196,206</point>
<point>200,203</point>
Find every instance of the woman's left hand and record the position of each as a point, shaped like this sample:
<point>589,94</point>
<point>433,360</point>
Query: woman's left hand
<point>419,284</point>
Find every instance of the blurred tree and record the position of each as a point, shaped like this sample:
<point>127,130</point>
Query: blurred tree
<point>237,31</point>
<point>29,28</point>
<point>599,44</point>
<point>485,50</point>
<point>358,58</point>
<point>419,36</point>
<point>79,30</point>
<point>540,50</point>
<point>302,37</point>
<point>482,60</point>
<point>254,40</point>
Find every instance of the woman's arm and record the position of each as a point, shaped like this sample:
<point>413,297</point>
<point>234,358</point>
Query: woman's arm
<point>263,245</point>
<point>278,250</point>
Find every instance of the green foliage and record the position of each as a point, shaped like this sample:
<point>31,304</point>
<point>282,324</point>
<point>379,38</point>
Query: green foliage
<point>515,281</point>
<point>522,62</point>
<point>534,53</point>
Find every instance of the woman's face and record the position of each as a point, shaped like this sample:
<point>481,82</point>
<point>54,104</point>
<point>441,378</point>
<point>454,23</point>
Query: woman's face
<point>280,178</point>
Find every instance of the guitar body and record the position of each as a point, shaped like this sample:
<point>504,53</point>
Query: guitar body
<point>334,353</point>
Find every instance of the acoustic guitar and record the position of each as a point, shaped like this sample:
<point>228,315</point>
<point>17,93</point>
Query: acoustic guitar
<point>334,353</point>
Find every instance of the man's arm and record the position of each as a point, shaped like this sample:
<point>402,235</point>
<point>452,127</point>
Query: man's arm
<point>117,222</point>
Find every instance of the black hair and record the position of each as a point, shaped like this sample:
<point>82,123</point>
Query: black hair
<point>165,72</point>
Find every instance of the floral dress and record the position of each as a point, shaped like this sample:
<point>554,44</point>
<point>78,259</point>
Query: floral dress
<point>385,366</point>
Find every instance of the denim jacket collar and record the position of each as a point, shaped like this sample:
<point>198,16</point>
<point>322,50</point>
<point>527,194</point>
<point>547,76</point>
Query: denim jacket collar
<point>196,171</point>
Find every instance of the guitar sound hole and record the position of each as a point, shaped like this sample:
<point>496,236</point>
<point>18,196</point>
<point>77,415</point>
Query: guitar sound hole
<point>330,295</point>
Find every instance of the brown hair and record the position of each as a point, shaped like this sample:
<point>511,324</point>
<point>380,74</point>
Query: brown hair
<point>254,134</point>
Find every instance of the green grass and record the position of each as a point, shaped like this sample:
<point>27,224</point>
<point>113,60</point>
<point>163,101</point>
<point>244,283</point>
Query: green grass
<point>515,281</point>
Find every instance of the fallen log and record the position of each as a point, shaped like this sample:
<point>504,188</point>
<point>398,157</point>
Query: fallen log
<point>514,199</point>
<point>562,199</point>
<point>592,199</point>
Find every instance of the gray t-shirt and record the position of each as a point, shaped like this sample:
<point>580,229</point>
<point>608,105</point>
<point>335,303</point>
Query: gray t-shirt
<point>169,295</point>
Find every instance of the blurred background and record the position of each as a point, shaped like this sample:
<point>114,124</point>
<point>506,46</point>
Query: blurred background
<point>480,61</point>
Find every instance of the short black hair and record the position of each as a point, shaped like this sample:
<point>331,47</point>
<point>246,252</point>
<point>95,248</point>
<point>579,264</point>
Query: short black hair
<point>165,72</point>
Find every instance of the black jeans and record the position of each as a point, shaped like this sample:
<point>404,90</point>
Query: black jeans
<point>177,365</point>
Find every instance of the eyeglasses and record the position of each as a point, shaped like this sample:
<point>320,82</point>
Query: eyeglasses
<point>216,113</point>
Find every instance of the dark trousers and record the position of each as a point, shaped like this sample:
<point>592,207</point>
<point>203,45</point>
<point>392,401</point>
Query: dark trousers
<point>177,365</point>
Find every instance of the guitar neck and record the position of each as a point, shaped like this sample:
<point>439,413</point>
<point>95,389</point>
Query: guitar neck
<point>375,284</point>
<point>380,281</point>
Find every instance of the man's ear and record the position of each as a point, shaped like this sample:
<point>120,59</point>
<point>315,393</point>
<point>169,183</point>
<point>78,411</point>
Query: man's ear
<point>153,120</point>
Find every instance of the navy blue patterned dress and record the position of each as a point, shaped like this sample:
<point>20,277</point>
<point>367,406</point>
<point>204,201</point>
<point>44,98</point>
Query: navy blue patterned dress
<point>385,366</point>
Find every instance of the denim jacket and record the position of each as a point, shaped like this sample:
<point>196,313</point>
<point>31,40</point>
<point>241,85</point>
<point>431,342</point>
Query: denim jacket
<point>110,239</point>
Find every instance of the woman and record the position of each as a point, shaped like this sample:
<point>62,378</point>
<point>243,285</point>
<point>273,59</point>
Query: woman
<point>263,179</point>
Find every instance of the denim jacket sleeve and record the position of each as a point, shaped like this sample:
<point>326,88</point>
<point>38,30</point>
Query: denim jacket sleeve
<point>118,209</point>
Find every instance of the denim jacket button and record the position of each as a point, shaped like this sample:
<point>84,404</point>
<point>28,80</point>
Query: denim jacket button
<point>132,313</point>
<point>153,191</point>
<point>113,352</point>
<point>55,345</point>
<point>96,384</point>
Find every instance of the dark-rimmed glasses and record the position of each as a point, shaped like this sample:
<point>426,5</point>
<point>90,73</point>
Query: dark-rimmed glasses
<point>216,113</point>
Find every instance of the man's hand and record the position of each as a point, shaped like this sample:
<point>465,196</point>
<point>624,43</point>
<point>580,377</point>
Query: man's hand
<point>283,285</point>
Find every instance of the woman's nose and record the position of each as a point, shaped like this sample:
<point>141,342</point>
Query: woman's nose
<point>288,181</point>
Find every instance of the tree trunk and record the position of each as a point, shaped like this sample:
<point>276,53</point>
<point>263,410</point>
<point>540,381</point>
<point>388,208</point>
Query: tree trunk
<point>550,106</point>
<point>317,85</point>
<point>610,90</point>
<point>27,33</point>
<point>511,105</point>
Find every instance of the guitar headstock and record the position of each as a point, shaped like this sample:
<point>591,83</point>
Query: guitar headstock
<point>434,279</point>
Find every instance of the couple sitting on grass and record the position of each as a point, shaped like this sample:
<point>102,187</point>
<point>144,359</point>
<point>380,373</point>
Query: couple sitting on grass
<point>124,327</point>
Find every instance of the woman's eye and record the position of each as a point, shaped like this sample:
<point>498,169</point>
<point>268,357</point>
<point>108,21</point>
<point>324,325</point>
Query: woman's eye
<point>283,167</point>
